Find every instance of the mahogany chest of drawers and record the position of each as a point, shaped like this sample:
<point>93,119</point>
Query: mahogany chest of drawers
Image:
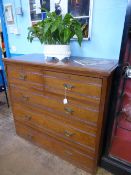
<point>72,131</point>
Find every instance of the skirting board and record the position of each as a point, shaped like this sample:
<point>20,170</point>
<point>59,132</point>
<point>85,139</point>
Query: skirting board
<point>115,166</point>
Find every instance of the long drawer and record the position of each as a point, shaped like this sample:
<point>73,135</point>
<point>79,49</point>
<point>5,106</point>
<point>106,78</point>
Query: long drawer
<point>80,87</point>
<point>61,130</point>
<point>55,104</point>
<point>61,149</point>
<point>30,113</point>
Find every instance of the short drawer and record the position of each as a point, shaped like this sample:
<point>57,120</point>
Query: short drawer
<point>24,74</point>
<point>53,103</point>
<point>76,86</point>
<point>61,149</point>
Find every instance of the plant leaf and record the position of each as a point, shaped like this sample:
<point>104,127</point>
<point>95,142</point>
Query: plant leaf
<point>79,35</point>
<point>46,27</point>
<point>67,34</point>
<point>55,29</point>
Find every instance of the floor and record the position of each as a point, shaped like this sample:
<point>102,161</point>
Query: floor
<point>20,157</point>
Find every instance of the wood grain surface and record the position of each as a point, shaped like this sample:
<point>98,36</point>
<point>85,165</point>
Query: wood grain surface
<point>73,130</point>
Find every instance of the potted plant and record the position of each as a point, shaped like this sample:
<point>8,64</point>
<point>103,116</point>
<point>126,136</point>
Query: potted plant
<point>55,32</point>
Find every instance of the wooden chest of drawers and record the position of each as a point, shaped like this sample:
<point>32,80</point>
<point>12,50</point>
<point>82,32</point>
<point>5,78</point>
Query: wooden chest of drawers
<point>72,131</point>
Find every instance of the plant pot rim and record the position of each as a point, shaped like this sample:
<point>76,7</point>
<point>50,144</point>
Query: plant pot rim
<point>58,51</point>
<point>56,44</point>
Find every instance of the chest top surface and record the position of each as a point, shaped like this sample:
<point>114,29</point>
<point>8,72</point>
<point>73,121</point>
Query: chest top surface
<point>83,65</point>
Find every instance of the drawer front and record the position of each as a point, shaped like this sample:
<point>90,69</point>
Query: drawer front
<point>37,116</point>
<point>77,86</point>
<point>24,74</point>
<point>61,149</point>
<point>58,128</point>
<point>28,86</point>
<point>55,104</point>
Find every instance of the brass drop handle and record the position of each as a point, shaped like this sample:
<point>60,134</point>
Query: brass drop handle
<point>68,110</point>
<point>27,117</point>
<point>68,152</point>
<point>25,98</point>
<point>68,134</point>
<point>22,76</point>
<point>68,86</point>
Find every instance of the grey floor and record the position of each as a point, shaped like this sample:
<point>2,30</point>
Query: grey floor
<point>20,157</point>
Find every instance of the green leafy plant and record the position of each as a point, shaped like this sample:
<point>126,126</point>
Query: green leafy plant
<point>56,29</point>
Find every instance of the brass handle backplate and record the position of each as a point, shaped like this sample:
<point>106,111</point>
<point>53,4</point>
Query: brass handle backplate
<point>27,117</point>
<point>68,86</point>
<point>68,134</point>
<point>25,98</point>
<point>22,76</point>
<point>30,136</point>
<point>68,110</point>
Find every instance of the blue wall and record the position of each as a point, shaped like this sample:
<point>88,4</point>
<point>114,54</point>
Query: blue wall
<point>108,21</point>
<point>4,29</point>
<point>1,64</point>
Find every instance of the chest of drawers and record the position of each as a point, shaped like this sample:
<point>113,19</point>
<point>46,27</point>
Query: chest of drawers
<point>74,130</point>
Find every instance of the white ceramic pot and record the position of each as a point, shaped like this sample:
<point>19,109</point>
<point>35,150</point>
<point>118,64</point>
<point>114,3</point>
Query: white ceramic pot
<point>58,51</point>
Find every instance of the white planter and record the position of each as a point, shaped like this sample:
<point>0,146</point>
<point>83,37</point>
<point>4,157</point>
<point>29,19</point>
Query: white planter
<point>58,51</point>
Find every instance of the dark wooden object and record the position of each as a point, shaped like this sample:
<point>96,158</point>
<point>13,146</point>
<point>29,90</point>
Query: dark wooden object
<point>72,131</point>
<point>117,165</point>
<point>3,86</point>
